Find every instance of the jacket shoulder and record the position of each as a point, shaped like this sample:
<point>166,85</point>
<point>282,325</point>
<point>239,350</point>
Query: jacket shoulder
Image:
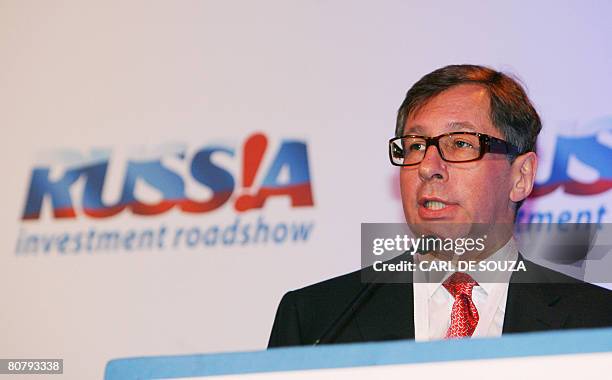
<point>304,314</point>
<point>585,304</point>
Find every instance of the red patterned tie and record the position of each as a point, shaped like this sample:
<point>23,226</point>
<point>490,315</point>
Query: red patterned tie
<point>464,316</point>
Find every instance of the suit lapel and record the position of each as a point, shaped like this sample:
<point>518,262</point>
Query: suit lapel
<point>531,302</point>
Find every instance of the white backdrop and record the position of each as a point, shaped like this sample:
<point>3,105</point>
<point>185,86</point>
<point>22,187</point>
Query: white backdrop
<point>144,80</point>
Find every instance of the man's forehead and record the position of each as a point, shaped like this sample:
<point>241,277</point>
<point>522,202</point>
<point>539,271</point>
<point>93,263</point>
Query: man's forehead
<point>464,107</point>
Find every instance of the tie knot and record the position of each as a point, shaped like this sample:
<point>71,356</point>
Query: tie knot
<point>460,283</point>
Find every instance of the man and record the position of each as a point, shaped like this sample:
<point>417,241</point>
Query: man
<point>465,142</point>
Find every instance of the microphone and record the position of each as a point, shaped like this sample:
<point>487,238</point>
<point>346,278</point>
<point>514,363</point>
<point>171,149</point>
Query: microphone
<point>347,315</point>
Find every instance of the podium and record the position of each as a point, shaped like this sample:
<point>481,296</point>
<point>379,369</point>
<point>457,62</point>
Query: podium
<point>563,354</point>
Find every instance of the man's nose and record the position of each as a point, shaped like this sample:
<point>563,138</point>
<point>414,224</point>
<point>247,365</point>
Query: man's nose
<point>432,166</point>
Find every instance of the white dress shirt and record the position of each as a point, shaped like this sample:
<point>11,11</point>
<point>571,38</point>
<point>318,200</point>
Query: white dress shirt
<point>433,304</point>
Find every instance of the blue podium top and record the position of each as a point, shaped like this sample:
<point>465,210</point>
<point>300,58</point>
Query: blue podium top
<point>362,354</point>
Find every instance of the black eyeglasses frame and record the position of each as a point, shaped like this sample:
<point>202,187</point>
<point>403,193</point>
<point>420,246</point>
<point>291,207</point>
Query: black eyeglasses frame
<point>488,144</point>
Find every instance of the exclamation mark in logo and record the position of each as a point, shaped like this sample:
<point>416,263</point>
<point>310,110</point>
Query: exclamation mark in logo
<point>254,149</point>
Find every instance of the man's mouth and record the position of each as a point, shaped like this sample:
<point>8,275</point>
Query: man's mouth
<point>436,208</point>
<point>434,205</point>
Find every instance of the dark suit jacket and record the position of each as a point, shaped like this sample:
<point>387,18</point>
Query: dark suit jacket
<point>538,299</point>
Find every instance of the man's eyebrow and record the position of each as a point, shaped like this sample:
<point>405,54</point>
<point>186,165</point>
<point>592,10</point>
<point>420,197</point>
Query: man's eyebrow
<point>462,125</point>
<point>413,130</point>
<point>456,125</point>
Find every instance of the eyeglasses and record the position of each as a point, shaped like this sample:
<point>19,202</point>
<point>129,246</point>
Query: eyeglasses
<point>453,147</point>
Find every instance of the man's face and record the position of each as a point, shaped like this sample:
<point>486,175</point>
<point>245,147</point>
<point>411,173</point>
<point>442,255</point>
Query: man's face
<point>462,193</point>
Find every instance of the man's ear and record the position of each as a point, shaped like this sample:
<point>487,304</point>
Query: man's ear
<point>523,175</point>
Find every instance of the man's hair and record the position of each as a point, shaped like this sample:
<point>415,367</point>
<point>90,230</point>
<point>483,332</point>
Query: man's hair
<point>511,110</point>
